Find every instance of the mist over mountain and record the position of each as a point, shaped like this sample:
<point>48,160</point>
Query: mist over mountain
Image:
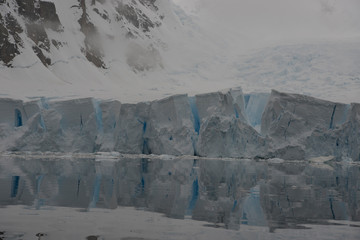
<point>280,20</point>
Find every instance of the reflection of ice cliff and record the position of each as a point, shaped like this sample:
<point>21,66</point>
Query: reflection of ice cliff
<point>302,193</point>
<point>220,124</point>
<point>226,193</point>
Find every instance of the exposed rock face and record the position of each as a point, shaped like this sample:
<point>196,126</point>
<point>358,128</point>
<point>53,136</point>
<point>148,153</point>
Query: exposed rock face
<point>13,27</point>
<point>92,45</point>
<point>38,16</point>
<point>10,41</point>
<point>36,10</point>
<point>28,9</point>
<point>37,33</point>
<point>49,16</point>
<point>149,3</point>
<point>135,16</point>
<point>212,125</point>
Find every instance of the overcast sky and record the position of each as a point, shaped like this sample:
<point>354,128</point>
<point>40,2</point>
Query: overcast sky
<point>278,20</point>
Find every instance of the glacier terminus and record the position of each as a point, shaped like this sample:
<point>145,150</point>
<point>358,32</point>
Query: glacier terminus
<point>227,123</point>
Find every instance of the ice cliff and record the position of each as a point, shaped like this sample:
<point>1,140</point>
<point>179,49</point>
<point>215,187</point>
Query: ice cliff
<point>219,124</point>
<point>301,126</point>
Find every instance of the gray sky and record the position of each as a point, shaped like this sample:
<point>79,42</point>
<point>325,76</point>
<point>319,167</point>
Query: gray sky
<point>278,20</point>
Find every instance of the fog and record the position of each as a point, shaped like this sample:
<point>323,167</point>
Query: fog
<point>260,22</point>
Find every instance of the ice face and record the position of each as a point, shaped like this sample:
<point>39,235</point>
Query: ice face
<point>298,114</point>
<point>131,129</point>
<point>108,119</point>
<point>229,137</point>
<point>226,104</point>
<point>219,124</point>
<point>254,107</point>
<point>170,126</point>
<point>302,126</point>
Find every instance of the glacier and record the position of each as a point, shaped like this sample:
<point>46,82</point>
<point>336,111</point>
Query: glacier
<point>226,123</point>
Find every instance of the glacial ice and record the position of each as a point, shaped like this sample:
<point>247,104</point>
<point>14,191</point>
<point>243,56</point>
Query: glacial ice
<point>304,127</point>
<point>254,107</point>
<point>218,124</point>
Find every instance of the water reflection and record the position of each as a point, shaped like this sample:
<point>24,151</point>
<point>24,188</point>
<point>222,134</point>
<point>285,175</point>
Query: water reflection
<point>224,193</point>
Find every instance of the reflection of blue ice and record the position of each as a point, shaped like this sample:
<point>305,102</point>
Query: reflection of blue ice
<point>140,188</point>
<point>96,192</point>
<point>78,187</point>
<point>38,202</point>
<point>194,195</point>
<point>234,206</point>
<point>194,190</point>
<point>252,213</point>
<point>38,183</point>
<point>203,189</point>
<point>142,184</point>
<point>236,112</point>
<point>338,209</point>
<point>14,186</point>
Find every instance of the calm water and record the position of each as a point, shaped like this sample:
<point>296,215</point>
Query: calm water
<point>102,197</point>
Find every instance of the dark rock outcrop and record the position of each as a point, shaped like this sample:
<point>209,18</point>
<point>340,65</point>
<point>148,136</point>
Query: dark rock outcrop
<point>28,9</point>
<point>92,49</point>
<point>135,16</point>
<point>49,16</point>
<point>9,28</point>
<point>39,18</point>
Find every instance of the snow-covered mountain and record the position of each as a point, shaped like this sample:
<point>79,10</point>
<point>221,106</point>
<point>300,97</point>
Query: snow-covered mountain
<point>143,50</point>
<point>95,30</point>
<point>85,47</point>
